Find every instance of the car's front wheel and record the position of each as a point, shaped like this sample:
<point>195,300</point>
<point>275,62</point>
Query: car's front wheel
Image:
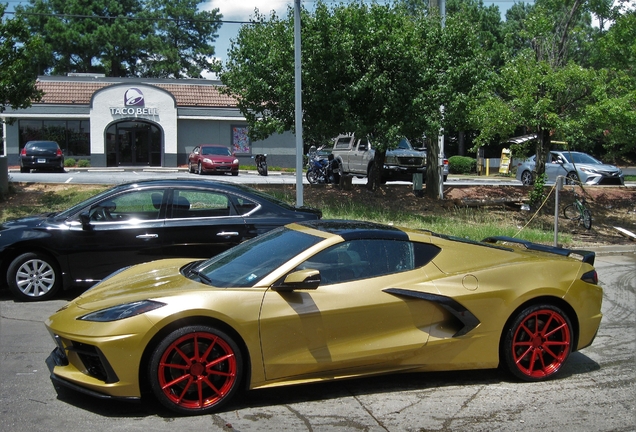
<point>33,277</point>
<point>537,343</point>
<point>527,178</point>
<point>199,169</point>
<point>195,370</point>
<point>190,167</point>
<point>572,178</point>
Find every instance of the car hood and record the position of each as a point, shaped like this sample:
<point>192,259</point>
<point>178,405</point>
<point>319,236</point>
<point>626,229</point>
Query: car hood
<point>144,281</point>
<point>598,167</point>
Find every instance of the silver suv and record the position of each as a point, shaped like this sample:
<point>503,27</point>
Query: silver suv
<point>355,155</point>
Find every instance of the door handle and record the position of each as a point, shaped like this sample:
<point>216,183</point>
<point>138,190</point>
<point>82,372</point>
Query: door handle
<point>227,233</point>
<point>147,236</point>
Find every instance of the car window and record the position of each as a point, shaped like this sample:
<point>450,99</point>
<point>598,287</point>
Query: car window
<point>130,206</point>
<point>219,151</point>
<point>342,143</point>
<point>362,259</point>
<point>199,203</point>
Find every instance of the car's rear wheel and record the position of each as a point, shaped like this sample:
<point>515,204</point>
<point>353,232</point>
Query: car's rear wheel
<point>24,170</point>
<point>33,277</point>
<point>195,370</point>
<point>190,167</point>
<point>527,179</point>
<point>537,342</point>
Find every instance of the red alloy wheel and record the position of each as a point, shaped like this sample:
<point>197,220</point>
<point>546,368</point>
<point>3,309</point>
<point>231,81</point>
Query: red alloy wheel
<point>539,343</point>
<point>195,369</point>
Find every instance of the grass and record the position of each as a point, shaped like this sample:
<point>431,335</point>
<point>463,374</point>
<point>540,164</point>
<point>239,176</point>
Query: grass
<point>469,223</point>
<point>474,224</point>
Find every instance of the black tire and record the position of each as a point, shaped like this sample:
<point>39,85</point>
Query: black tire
<point>204,389</point>
<point>199,169</point>
<point>234,173</point>
<point>570,212</point>
<point>311,177</point>
<point>190,167</point>
<point>25,170</point>
<point>262,169</point>
<point>572,178</point>
<point>526,351</point>
<point>527,179</point>
<point>34,276</point>
<point>587,219</point>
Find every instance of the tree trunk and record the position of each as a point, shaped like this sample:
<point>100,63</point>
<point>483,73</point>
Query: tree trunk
<point>542,149</point>
<point>432,170</point>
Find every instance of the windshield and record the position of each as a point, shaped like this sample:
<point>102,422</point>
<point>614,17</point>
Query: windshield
<point>580,158</point>
<point>405,144</point>
<point>246,264</point>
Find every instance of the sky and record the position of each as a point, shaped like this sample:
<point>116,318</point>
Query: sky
<point>242,10</point>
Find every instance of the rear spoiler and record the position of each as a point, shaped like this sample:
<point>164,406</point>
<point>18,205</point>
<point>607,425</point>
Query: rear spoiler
<point>586,256</point>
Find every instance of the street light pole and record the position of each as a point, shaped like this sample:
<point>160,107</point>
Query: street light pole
<point>298,106</point>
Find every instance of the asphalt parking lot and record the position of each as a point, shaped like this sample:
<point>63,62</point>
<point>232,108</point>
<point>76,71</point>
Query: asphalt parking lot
<point>595,393</point>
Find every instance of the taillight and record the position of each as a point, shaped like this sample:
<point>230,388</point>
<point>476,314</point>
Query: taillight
<point>445,162</point>
<point>590,277</point>
<point>23,151</point>
<point>59,152</point>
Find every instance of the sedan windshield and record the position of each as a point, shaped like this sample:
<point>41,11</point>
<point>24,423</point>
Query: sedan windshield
<point>246,264</point>
<point>580,158</point>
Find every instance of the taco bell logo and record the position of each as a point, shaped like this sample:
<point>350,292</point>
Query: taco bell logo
<point>133,97</point>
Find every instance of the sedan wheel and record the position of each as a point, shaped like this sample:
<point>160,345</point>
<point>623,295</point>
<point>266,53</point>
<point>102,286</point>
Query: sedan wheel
<point>572,178</point>
<point>190,167</point>
<point>195,370</point>
<point>200,169</point>
<point>33,277</point>
<point>526,178</point>
<point>537,343</point>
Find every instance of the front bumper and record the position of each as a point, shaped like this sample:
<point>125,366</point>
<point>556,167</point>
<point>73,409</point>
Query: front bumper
<point>396,172</point>
<point>57,358</point>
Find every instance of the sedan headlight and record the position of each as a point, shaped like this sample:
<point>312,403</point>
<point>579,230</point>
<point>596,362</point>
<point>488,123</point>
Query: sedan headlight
<point>588,170</point>
<point>122,311</point>
<point>235,162</point>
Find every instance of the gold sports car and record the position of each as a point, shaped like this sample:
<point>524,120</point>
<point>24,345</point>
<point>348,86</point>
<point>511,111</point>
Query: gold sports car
<point>320,300</point>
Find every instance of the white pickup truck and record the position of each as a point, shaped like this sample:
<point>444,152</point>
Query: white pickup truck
<point>355,155</point>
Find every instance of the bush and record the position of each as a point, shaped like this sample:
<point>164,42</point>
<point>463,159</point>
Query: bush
<point>461,165</point>
<point>84,163</point>
<point>70,162</point>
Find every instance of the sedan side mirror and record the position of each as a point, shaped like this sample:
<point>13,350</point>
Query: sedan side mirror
<point>307,279</point>
<point>85,219</point>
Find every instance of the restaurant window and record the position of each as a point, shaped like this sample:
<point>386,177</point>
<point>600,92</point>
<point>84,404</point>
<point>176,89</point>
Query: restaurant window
<point>73,136</point>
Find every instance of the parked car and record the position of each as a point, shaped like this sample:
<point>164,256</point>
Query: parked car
<point>353,155</point>
<point>323,300</point>
<point>130,224</point>
<point>213,158</point>
<point>46,155</point>
<point>574,166</point>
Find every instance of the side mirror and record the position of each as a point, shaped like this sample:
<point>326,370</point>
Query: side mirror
<point>308,279</point>
<point>85,219</point>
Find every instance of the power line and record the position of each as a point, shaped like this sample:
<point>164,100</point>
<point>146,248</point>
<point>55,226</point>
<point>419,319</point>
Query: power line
<point>130,18</point>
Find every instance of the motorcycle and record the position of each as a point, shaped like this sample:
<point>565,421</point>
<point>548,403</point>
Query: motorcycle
<point>261,164</point>
<point>320,170</point>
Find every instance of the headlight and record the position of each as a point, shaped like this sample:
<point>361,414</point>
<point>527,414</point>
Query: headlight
<point>235,162</point>
<point>391,160</point>
<point>588,170</point>
<point>122,311</point>
<point>207,160</point>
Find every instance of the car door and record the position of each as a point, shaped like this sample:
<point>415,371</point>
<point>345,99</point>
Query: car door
<point>201,222</point>
<point>349,320</point>
<point>116,232</point>
<point>362,156</point>
<point>554,166</point>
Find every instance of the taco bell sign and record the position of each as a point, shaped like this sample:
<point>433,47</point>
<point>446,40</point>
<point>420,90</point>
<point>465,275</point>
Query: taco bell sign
<point>134,105</point>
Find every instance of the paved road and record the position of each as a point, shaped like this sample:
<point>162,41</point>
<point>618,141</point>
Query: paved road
<point>596,392</point>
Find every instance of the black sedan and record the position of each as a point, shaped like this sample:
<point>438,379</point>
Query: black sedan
<point>130,224</point>
<point>41,155</point>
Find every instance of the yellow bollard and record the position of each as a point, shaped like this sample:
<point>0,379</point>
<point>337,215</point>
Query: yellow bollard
<point>487,167</point>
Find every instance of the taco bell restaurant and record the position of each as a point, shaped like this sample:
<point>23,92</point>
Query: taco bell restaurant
<point>118,122</point>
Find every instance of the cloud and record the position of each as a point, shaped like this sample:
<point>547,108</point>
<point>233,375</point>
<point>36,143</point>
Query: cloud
<point>242,10</point>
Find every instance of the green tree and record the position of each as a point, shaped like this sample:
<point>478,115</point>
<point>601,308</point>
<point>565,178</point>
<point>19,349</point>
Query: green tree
<point>371,69</point>
<point>18,72</point>
<point>124,37</point>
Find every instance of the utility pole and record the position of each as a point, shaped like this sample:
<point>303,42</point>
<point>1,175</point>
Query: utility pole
<point>298,106</point>
<point>441,6</point>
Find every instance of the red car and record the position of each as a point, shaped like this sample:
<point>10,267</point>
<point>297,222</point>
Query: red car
<point>212,158</point>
